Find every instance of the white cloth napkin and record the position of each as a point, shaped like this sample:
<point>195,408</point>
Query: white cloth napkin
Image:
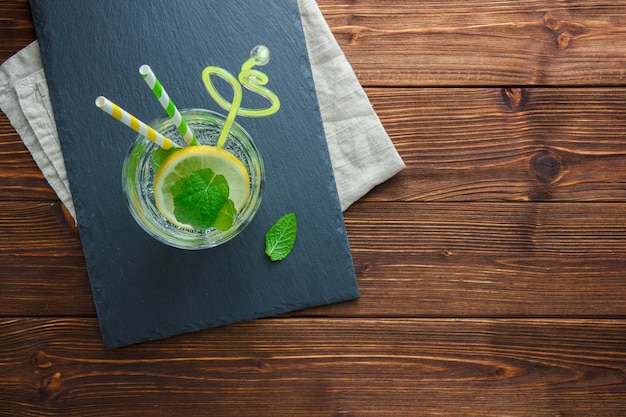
<point>361,152</point>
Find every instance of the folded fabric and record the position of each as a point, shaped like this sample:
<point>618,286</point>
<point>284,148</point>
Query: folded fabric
<point>24,99</point>
<point>361,152</point>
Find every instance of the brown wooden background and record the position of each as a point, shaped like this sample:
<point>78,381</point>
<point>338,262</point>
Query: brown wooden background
<point>492,270</point>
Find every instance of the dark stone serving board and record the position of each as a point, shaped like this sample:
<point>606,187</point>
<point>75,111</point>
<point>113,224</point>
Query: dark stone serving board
<point>143,289</point>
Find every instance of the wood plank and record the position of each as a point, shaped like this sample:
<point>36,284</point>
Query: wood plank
<point>480,144</point>
<point>326,367</point>
<point>481,43</point>
<point>473,259</point>
<point>35,228</point>
<point>42,268</point>
<point>412,260</point>
<point>20,177</point>
<point>46,284</point>
<point>491,144</point>
<point>16,27</point>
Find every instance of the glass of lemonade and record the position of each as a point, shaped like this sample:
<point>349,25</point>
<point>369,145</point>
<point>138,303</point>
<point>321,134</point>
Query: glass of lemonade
<point>138,178</point>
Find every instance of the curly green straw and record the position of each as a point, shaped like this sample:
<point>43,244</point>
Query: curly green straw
<point>252,79</point>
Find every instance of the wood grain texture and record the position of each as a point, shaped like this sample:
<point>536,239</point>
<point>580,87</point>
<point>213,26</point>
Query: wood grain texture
<point>16,27</point>
<point>19,175</point>
<point>331,367</point>
<point>480,43</point>
<point>490,259</point>
<point>512,144</point>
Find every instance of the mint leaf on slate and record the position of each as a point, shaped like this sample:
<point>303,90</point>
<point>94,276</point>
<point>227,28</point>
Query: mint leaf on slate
<point>279,240</point>
<point>199,198</point>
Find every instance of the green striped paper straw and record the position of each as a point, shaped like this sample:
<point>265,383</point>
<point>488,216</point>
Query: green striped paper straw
<point>167,103</point>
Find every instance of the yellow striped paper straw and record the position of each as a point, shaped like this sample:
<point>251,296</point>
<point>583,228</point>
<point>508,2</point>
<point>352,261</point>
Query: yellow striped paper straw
<point>131,121</point>
<point>167,103</point>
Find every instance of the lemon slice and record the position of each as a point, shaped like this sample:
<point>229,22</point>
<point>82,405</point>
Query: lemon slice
<point>181,164</point>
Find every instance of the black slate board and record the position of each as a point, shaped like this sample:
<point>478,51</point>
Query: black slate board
<point>144,290</point>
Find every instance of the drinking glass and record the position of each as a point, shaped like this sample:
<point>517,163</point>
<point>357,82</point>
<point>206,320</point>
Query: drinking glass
<point>138,179</point>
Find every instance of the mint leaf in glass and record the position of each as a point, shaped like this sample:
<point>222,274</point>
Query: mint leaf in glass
<point>199,198</point>
<point>279,240</point>
<point>159,155</point>
<point>226,216</point>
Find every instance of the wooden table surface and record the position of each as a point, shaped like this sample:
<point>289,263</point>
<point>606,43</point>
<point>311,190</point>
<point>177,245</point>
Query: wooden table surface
<point>492,269</point>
